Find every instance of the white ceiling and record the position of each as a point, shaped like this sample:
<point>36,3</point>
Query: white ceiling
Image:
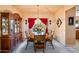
<point>34,8</point>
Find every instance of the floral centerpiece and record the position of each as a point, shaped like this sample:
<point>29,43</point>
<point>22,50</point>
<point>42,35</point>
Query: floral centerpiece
<point>39,26</point>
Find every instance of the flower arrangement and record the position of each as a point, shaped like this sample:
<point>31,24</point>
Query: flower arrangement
<point>39,27</point>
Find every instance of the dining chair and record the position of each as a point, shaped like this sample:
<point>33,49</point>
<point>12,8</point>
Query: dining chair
<point>49,38</point>
<point>39,42</point>
<point>30,38</point>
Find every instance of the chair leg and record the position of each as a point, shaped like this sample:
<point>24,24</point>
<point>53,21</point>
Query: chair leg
<point>35,50</point>
<point>34,47</point>
<point>43,50</point>
<point>45,44</point>
<point>52,45</point>
<point>27,44</point>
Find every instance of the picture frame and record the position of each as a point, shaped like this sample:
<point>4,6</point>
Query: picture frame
<point>59,22</point>
<point>71,21</point>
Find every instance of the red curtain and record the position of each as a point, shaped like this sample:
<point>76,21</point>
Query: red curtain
<point>45,21</point>
<point>31,22</point>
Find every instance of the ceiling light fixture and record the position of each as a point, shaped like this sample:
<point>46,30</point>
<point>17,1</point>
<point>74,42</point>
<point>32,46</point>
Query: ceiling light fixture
<point>37,12</point>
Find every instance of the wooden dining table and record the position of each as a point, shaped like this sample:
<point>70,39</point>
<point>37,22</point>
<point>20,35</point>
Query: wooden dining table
<point>39,42</point>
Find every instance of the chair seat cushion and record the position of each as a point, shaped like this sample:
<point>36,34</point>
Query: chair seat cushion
<point>31,39</point>
<point>41,46</point>
<point>48,39</point>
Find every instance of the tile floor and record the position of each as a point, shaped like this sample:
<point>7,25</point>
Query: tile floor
<point>77,46</point>
<point>59,48</point>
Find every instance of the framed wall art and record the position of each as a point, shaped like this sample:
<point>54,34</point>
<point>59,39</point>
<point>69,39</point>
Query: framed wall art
<point>71,21</point>
<point>59,22</point>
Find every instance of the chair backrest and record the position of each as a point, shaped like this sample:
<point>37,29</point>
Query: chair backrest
<point>31,35</point>
<point>46,36</point>
<point>51,37</point>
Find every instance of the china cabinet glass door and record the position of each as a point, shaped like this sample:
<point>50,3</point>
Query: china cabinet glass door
<point>4,26</point>
<point>11,26</point>
<point>16,27</point>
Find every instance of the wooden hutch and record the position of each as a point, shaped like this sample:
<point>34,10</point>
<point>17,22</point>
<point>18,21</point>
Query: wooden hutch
<point>10,31</point>
<point>18,28</point>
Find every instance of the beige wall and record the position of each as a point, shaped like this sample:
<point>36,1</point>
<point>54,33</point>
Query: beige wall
<point>77,17</point>
<point>60,31</point>
<point>70,30</point>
